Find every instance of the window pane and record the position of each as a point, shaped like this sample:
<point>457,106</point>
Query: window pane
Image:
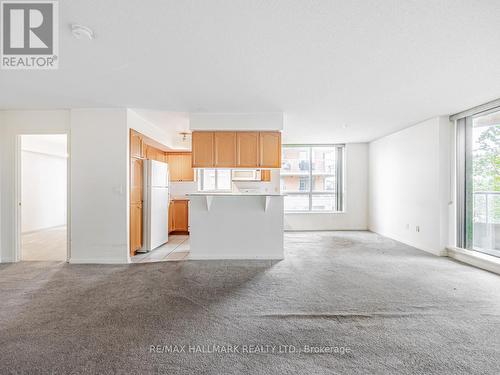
<point>295,160</point>
<point>295,184</point>
<point>323,202</point>
<point>208,179</point>
<point>324,184</point>
<point>297,203</point>
<point>486,183</point>
<point>323,160</point>
<point>223,179</point>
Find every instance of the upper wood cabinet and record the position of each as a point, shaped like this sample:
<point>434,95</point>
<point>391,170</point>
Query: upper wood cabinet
<point>187,171</point>
<point>154,154</point>
<point>247,149</point>
<point>270,149</point>
<point>136,145</point>
<point>265,175</point>
<point>179,165</point>
<point>203,149</point>
<point>225,149</point>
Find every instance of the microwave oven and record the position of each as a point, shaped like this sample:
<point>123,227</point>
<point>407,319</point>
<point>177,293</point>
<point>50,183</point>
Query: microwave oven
<point>246,175</point>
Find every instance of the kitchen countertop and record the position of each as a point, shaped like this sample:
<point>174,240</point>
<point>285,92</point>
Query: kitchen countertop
<point>181,198</point>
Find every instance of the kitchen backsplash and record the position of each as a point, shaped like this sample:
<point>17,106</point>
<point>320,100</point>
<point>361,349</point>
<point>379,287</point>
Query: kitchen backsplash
<point>180,189</point>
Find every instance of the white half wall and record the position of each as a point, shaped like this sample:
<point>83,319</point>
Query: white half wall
<point>12,125</point>
<point>355,216</point>
<point>44,182</point>
<point>99,186</point>
<point>409,177</point>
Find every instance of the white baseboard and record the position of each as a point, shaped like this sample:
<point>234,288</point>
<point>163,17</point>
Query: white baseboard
<point>476,259</point>
<point>437,252</point>
<point>327,230</point>
<point>229,257</point>
<point>98,261</point>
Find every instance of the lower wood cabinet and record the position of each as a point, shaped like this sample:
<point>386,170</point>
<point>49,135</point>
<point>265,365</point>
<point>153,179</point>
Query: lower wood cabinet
<point>178,216</point>
<point>135,227</point>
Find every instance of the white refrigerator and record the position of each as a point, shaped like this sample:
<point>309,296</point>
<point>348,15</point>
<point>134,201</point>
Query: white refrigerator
<point>156,201</point>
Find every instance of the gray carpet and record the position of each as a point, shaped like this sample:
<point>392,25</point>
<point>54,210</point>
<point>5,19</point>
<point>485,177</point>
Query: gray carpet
<point>392,308</point>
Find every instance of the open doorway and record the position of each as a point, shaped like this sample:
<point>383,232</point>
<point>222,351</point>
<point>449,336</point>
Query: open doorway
<point>44,204</point>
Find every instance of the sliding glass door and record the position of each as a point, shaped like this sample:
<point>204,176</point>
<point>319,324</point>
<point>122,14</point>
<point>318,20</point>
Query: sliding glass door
<point>482,182</point>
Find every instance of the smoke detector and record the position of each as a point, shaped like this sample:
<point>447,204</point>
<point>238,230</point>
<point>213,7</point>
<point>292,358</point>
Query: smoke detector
<point>82,32</point>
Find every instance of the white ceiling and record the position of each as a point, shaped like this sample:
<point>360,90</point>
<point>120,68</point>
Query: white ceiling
<point>375,65</point>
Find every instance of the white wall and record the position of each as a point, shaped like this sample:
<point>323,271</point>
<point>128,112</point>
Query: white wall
<point>409,174</point>
<point>99,186</point>
<point>13,124</point>
<point>142,125</point>
<point>44,182</point>
<point>355,216</point>
<point>236,121</point>
<point>99,151</point>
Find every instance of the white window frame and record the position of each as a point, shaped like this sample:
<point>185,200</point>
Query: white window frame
<point>339,173</point>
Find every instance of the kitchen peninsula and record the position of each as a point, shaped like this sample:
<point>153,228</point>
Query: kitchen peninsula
<point>224,221</point>
<point>236,226</point>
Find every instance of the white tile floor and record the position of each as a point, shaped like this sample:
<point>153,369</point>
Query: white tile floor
<point>177,248</point>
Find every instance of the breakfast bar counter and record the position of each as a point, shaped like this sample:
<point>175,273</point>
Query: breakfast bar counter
<point>236,226</point>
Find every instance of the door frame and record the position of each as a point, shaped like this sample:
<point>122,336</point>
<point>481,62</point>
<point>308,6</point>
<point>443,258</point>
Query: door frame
<point>18,193</point>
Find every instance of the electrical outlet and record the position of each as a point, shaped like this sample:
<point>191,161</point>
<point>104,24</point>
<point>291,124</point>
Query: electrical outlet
<point>417,228</point>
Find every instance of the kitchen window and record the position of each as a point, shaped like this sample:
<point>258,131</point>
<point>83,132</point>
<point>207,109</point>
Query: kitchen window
<point>214,180</point>
<point>312,178</point>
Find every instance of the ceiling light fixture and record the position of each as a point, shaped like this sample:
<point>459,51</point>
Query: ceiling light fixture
<point>184,135</point>
<point>82,32</point>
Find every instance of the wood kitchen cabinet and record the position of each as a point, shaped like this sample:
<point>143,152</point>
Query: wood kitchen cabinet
<point>203,149</point>
<point>235,149</point>
<point>154,154</point>
<point>247,149</point>
<point>136,194</point>
<point>179,165</point>
<point>178,211</point>
<point>135,227</point>
<point>265,175</point>
<point>270,149</point>
<point>224,149</point>
<point>170,217</point>
<point>136,145</point>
